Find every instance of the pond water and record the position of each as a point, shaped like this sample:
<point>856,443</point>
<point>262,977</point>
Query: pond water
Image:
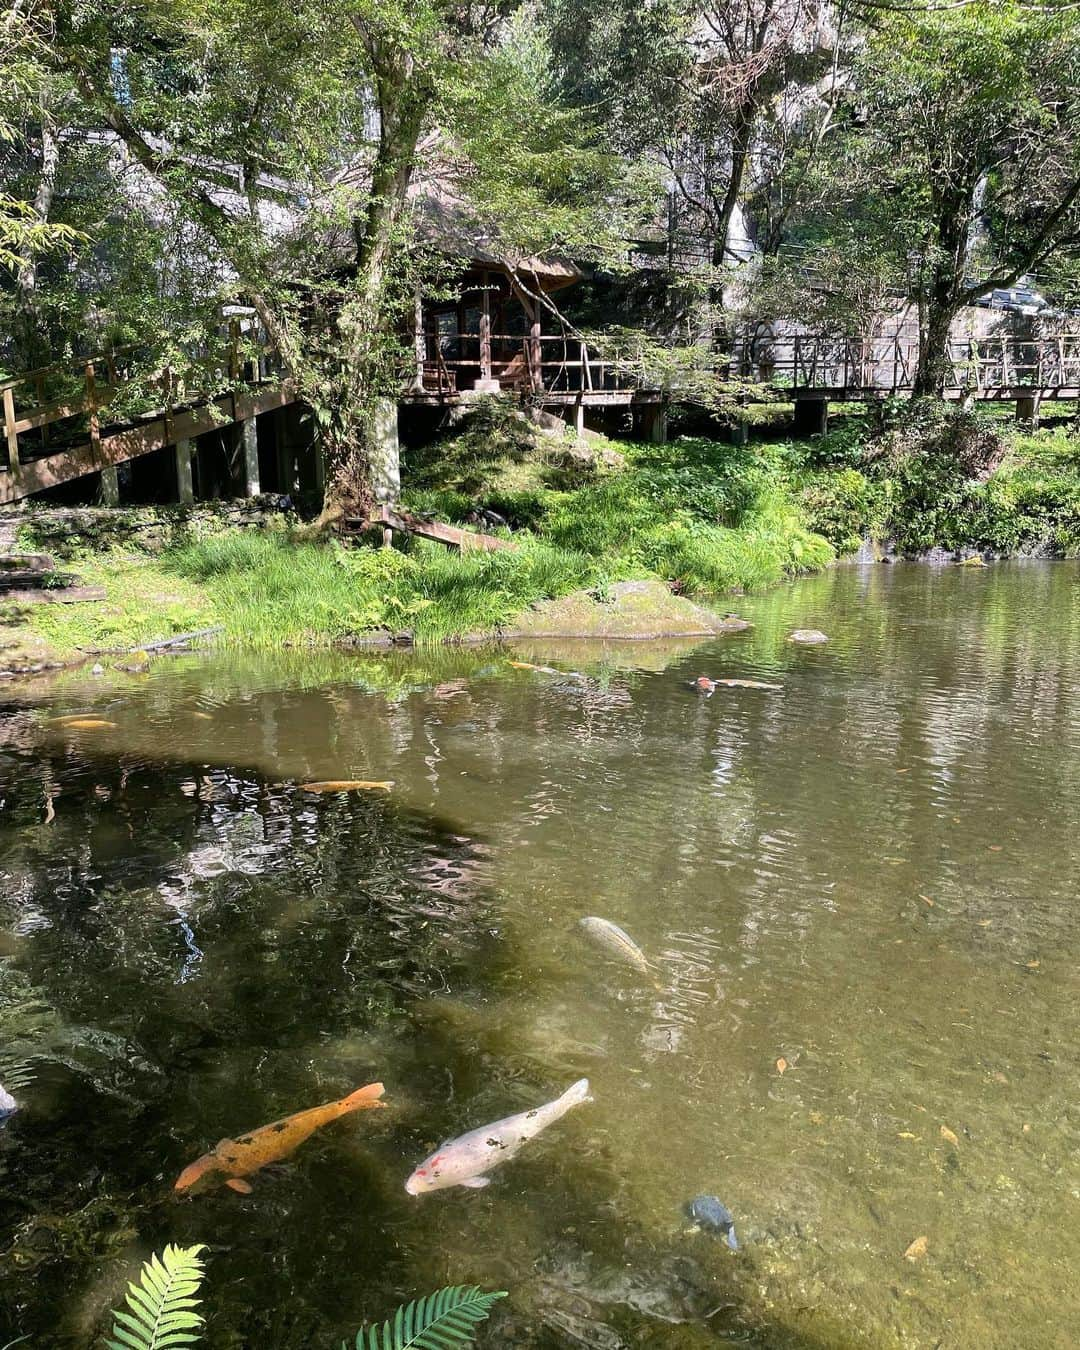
<point>859,894</point>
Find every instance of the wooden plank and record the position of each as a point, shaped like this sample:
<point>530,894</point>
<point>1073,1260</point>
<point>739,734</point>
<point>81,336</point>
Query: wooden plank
<point>451,535</point>
<point>10,430</point>
<point>68,595</point>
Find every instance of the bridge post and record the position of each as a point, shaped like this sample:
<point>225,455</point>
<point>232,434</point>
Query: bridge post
<point>654,422</point>
<point>249,438</point>
<point>185,485</point>
<point>1027,410</point>
<point>109,486</point>
<point>284,454</point>
<point>811,416</point>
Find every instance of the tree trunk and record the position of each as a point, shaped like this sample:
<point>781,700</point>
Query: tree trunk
<point>363,458</point>
<point>934,367</point>
<point>29,339</point>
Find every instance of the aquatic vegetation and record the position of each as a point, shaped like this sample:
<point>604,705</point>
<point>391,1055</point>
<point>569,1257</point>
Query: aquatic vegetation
<point>161,1307</point>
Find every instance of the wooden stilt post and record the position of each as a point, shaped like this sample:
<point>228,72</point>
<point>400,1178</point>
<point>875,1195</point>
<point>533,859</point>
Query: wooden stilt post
<point>485,332</point>
<point>249,436</point>
<point>110,486</point>
<point>10,434</point>
<point>1027,410</point>
<point>283,453</point>
<point>185,484</point>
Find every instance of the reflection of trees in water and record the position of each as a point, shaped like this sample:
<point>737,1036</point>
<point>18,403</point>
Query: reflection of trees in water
<point>319,921</point>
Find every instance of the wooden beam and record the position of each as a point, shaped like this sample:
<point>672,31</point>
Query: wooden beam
<point>485,330</point>
<point>451,535</point>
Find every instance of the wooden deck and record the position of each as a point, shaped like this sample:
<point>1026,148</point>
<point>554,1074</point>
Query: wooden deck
<point>56,423</point>
<point>999,369</point>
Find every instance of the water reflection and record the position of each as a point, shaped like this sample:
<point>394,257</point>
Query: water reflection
<point>867,878</point>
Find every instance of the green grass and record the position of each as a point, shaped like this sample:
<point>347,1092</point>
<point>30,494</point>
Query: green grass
<point>144,600</point>
<point>926,499</point>
<point>703,516</point>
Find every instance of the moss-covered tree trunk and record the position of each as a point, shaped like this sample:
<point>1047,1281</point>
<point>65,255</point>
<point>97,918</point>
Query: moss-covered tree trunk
<point>362,455</point>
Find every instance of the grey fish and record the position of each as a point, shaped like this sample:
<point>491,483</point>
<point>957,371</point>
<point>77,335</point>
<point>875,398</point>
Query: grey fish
<point>621,944</point>
<point>710,1212</point>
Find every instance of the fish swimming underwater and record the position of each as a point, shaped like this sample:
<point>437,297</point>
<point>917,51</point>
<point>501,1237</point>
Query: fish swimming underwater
<point>706,686</point>
<point>89,724</point>
<point>612,937</point>
<point>347,785</point>
<point>234,1159</point>
<point>708,1212</point>
<point>465,1161</point>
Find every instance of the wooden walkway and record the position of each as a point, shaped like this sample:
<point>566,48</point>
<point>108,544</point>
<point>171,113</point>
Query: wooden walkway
<point>56,421</point>
<point>48,438</point>
<point>992,369</point>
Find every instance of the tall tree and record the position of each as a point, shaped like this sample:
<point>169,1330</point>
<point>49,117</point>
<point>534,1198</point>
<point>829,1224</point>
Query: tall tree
<point>280,141</point>
<point>967,142</point>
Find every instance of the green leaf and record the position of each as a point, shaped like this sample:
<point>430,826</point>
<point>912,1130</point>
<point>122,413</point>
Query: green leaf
<point>437,1322</point>
<point>159,1315</point>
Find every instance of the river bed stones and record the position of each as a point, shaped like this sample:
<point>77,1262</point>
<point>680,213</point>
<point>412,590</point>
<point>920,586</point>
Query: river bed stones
<point>808,637</point>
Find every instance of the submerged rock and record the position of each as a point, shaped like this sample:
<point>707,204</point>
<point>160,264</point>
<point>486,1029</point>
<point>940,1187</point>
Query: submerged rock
<point>809,637</point>
<point>8,1104</point>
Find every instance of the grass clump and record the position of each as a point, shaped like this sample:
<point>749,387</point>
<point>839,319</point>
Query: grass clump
<point>701,515</point>
<point>946,479</point>
<point>272,588</point>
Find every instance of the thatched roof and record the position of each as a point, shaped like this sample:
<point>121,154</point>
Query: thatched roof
<point>447,222</point>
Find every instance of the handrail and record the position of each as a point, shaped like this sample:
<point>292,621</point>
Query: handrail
<point>97,393</point>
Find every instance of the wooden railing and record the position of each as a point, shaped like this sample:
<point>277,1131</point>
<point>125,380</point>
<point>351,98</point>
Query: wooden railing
<point>61,422</point>
<point>553,364</point>
<point>68,404</point>
<point>985,367</point>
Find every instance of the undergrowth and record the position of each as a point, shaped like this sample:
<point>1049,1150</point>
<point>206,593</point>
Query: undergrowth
<point>703,516</point>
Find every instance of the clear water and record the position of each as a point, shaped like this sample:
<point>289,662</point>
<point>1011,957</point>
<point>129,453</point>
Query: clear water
<point>871,875</point>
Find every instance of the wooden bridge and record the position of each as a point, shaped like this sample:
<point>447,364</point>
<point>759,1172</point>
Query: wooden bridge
<point>814,368</point>
<point>62,422</point>
<point>65,422</point>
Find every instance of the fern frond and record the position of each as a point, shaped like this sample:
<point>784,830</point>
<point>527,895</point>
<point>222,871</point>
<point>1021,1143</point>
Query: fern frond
<point>162,1304</point>
<point>434,1323</point>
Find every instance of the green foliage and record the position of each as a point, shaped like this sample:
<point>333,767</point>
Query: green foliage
<point>161,1312</point>
<point>161,1307</point>
<point>939,478</point>
<point>437,1322</point>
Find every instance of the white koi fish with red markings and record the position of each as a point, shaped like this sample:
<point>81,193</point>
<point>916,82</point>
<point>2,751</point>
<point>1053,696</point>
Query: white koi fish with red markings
<point>465,1161</point>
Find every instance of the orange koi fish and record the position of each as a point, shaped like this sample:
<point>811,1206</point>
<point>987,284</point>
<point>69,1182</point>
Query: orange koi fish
<point>89,724</point>
<point>234,1159</point>
<point>347,785</point>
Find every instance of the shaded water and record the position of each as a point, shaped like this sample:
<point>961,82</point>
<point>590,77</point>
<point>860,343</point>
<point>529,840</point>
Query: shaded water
<point>870,875</point>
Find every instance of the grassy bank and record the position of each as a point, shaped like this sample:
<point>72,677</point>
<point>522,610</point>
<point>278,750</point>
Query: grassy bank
<point>702,516</point>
